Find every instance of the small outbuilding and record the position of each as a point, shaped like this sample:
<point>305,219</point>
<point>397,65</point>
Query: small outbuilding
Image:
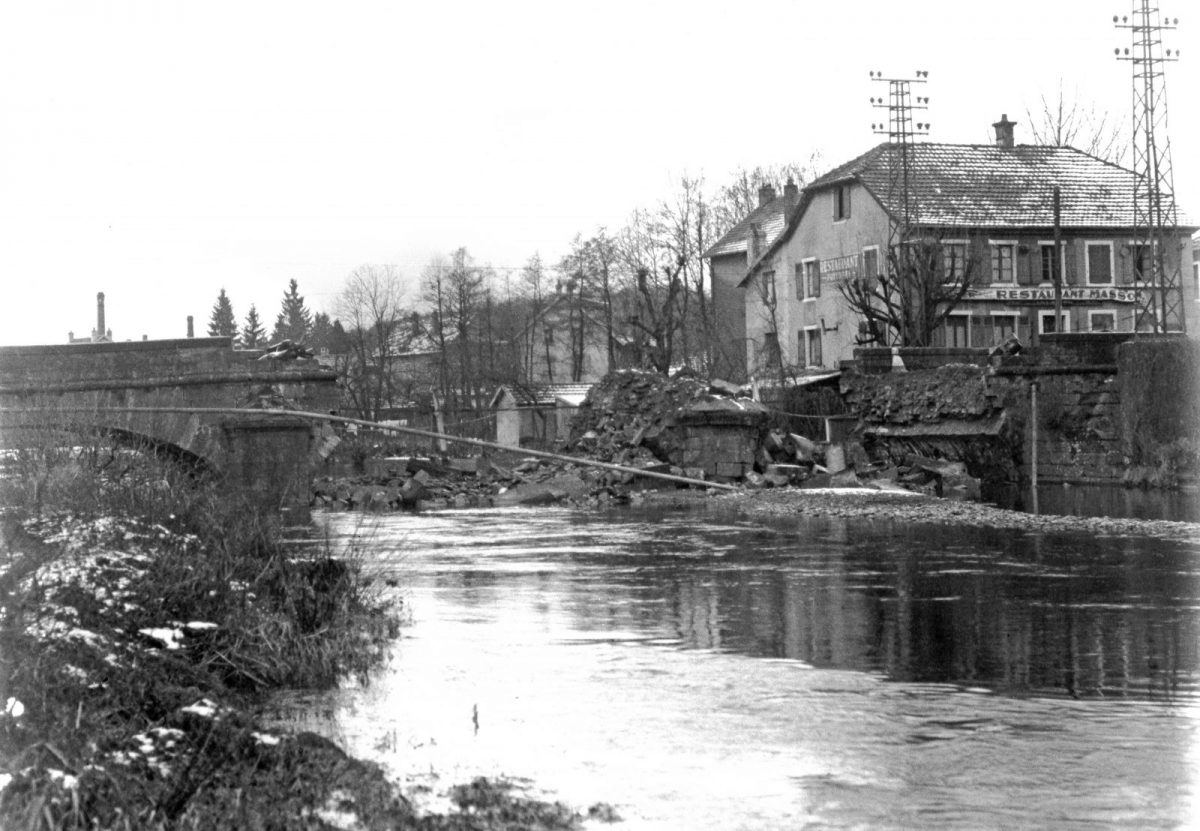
<point>536,415</point>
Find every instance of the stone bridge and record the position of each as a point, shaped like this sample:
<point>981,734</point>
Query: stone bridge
<point>47,389</point>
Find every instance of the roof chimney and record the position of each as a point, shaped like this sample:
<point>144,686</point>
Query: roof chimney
<point>1004,131</point>
<point>790,191</point>
<point>765,194</point>
<point>99,316</point>
<point>191,328</point>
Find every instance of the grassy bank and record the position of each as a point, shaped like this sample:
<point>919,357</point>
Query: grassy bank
<point>145,611</point>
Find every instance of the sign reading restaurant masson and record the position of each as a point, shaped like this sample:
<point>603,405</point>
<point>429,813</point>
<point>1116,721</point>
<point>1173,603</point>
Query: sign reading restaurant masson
<point>1046,295</point>
<point>850,266</point>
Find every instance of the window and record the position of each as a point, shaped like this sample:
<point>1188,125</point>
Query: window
<point>1004,268</point>
<point>1049,261</point>
<point>957,329</point>
<point>954,259</point>
<point>770,353</point>
<point>1003,327</point>
<point>841,203</point>
<point>1102,321</point>
<point>812,346</point>
<point>1099,264</point>
<point>870,262</point>
<point>1139,255</point>
<point>767,287</point>
<point>1047,326</point>
<point>812,279</point>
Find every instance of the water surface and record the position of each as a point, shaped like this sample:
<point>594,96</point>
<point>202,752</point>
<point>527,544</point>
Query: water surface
<point>709,673</point>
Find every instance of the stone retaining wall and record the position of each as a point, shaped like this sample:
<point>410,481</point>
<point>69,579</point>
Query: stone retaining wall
<point>1110,409</point>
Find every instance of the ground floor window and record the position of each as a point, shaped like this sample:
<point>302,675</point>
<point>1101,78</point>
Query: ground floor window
<point>1047,325</point>
<point>1003,327</point>
<point>957,329</point>
<point>1102,321</point>
<point>770,353</point>
<point>810,346</point>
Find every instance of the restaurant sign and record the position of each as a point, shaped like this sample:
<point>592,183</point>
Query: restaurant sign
<point>1043,296</point>
<point>834,269</point>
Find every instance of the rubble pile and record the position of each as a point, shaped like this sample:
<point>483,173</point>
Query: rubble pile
<point>417,483</point>
<point>632,416</point>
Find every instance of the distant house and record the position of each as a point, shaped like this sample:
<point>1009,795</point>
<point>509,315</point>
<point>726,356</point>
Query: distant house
<point>536,416</point>
<point>986,204</point>
<point>729,260</point>
<point>566,342</point>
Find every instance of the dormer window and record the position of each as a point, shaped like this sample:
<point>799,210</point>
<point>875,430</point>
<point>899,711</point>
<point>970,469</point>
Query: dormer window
<point>841,203</point>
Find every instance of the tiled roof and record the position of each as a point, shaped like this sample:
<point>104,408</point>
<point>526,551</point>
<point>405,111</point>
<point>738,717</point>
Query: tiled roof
<point>984,185</point>
<point>770,218</point>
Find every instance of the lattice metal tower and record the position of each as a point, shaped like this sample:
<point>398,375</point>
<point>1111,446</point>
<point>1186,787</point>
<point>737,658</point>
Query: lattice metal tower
<point>1157,256</point>
<point>900,130</point>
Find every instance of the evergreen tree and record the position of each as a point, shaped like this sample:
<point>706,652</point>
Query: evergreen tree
<point>318,335</point>
<point>295,320</point>
<point>221,323</point>
<point>253,334</point>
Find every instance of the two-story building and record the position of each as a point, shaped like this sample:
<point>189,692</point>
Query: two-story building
<point>729,258</point>
<point>989,206</point>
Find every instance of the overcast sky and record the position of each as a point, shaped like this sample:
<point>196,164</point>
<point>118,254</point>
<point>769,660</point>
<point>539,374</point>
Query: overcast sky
<point>159,151</point>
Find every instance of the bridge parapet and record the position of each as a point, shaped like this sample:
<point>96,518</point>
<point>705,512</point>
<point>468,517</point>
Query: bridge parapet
<point>101,386</point>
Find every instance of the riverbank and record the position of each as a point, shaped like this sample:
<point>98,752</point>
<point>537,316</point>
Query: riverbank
<point>907,507</point>
<point>140,634</point>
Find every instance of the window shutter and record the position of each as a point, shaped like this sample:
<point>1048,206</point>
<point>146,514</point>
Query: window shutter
<point>817,279</point>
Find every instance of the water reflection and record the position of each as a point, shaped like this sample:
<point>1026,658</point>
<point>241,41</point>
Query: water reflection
<point>1019,614</point>
<point>703,672</point>
<point>1181,505</point>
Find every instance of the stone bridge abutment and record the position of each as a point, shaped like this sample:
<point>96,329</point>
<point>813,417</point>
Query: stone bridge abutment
<point>162,394</point>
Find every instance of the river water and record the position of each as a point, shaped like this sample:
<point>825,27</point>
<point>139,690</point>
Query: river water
<point>705,672</point>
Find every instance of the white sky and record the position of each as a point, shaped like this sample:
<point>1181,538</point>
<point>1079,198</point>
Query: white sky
<point>158,151</point>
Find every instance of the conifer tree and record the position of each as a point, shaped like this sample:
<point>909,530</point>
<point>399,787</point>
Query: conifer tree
<point>221,323</point>
<point>295,320</point>
<point>253,333</point>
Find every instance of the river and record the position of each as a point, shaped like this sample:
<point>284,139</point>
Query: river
<point>706,672</point>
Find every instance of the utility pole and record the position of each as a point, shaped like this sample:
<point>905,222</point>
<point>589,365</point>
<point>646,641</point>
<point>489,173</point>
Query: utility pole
<point>900,130</point>
<point>1156,258</point>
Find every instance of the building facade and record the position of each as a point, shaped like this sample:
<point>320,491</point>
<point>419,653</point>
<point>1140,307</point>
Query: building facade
<point>990,208</point>
<point>729,258</point>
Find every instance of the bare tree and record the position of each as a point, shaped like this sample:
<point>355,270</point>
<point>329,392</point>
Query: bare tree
<point>1069,122</point>
<point>380,328</point>
<point>734,200</point>
<point>924,281</point>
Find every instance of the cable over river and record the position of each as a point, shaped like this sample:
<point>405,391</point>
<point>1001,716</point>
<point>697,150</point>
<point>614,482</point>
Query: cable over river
<point>701,672</point>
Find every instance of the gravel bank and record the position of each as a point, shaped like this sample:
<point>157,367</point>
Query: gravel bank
<point>866,503</point>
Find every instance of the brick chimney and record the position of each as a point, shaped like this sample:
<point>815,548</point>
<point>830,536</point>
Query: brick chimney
<point>99,316</point>
<point>191,328</point>
<point>765,194</point>
<point>790,191</point>
<point>753,243</point>
<point>1004,131</point>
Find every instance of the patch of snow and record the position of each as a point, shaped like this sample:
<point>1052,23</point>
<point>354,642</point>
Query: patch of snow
<point>14,708</point>
<point>203,708</point>
<point>199,625</point>
<point>65,779</point>
<point>335,812</point>
<point>5,778</point>
<point>265,738</point>
<point>170,638</point>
